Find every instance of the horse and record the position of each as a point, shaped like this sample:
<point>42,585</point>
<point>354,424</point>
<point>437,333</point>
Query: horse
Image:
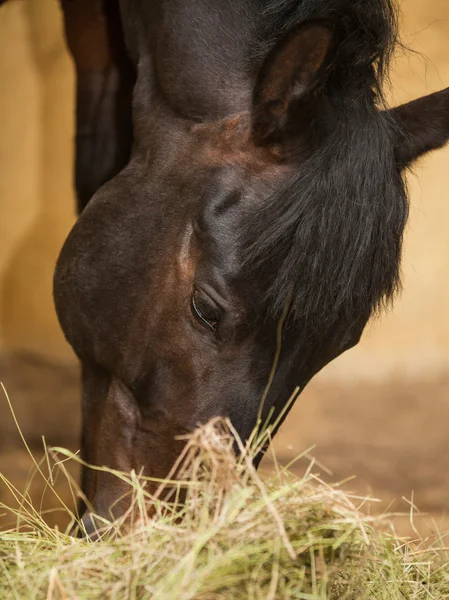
<point>240,184</point>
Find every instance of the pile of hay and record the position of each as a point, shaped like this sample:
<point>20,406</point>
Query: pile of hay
<point>239,537</point>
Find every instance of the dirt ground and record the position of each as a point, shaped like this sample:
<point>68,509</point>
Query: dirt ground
<point>392,437</point>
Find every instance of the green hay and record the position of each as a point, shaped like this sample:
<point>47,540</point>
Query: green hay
<point>239,537</point>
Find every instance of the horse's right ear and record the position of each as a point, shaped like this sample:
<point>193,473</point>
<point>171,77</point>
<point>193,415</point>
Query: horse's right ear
<point>289,74</point>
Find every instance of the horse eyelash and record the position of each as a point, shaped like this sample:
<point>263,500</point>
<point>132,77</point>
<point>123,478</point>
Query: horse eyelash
<point>200,315</point>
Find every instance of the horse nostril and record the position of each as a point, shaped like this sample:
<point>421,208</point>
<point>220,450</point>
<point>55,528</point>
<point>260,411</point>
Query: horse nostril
<point>89,528</point>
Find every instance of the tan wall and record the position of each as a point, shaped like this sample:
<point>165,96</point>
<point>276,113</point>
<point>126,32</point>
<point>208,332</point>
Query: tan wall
<point>36,197</point>
<point>36,125</point>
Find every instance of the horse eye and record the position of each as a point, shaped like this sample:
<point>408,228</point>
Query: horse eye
<point>204,310</point>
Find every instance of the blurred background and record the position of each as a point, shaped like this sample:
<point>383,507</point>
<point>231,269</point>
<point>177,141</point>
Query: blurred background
<point>380,412</point>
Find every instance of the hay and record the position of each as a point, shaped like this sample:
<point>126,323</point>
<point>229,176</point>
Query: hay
<point>233,536</point>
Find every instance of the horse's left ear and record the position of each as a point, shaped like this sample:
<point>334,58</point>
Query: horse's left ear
<point>289,74</point>
<point>422,126</point>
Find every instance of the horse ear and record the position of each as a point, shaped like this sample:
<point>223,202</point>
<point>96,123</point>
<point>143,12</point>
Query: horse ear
<point>423,125</point>
<point>290,73</point>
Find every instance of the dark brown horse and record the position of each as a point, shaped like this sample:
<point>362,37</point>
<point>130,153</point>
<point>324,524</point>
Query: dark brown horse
<point>246,213</point>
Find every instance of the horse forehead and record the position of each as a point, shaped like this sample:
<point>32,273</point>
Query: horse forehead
<point>229,142</point>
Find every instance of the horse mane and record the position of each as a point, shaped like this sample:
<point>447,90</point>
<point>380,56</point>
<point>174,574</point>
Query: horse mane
<point>330,240</point>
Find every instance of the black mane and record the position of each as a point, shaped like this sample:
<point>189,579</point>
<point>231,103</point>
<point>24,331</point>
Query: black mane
<point>333,235</point>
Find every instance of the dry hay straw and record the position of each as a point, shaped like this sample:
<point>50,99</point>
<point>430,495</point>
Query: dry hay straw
<point>216,530</point>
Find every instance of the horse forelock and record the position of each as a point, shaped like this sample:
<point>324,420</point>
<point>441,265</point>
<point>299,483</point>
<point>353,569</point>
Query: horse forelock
<point>332,235</point>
